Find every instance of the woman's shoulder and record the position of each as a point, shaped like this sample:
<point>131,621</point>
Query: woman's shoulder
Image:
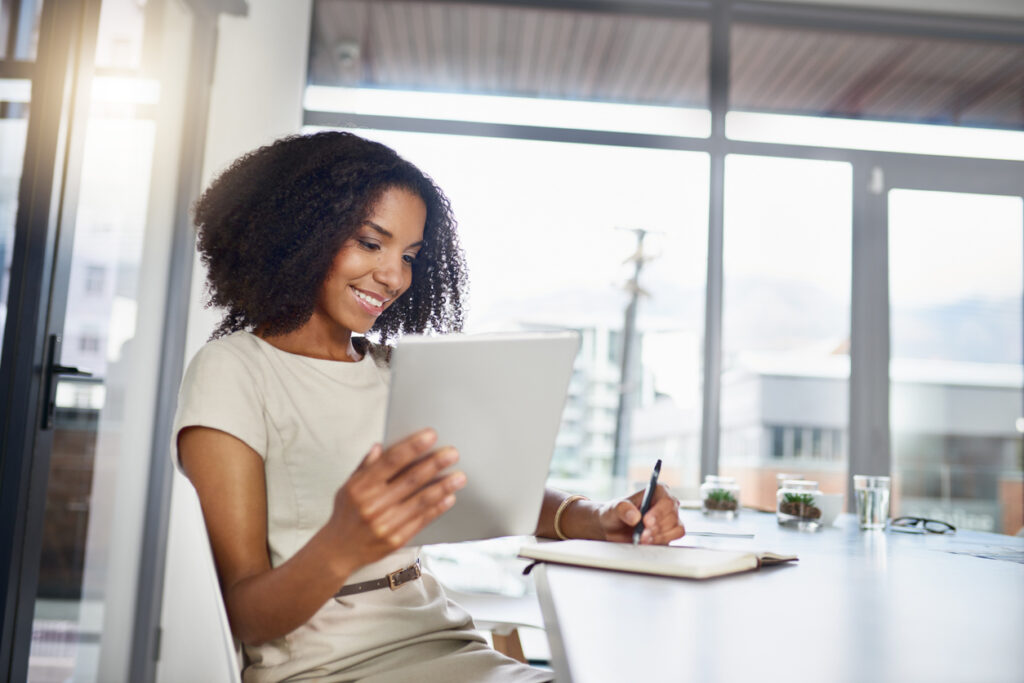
<point>232,354</point>
<point>235,345</point>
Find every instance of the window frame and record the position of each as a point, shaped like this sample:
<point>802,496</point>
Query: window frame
<point>869,430</point>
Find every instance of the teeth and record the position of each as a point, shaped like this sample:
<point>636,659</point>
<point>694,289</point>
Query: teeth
<point>369,299</point>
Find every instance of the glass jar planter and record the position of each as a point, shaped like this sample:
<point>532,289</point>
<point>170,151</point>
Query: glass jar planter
<point>799,505</point>
<point>782,477</point>
<point>720,497</point>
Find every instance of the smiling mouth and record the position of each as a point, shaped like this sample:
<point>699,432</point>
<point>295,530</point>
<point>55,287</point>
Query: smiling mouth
<point>369,302</point>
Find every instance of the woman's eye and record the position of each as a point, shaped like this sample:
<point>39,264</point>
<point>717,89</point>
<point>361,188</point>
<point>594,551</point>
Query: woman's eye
<point>409,258</point>
<point>372,246</point>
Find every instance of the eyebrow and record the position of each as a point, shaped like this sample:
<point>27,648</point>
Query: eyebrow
<point>387,233</point>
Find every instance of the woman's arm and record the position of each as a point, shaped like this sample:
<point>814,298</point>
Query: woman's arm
<point>390,497</point>
<point>613,520</point>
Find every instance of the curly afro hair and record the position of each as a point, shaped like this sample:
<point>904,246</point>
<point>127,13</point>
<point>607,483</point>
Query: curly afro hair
<point>270,226</point>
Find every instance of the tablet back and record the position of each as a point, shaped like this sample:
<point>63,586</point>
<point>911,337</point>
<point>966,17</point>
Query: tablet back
<point>498,398</point>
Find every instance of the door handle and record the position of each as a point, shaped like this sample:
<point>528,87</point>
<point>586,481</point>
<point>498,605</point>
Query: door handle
<point>51,371</point>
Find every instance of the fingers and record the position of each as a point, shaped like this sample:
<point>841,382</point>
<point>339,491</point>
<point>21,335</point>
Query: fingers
<point>401,454</point>
<point>407,482</point>
<point>403,520</point>
<point>376,451</point>
<point>420,473</point>
<point>372,482</point>
<point>661,523</point>
<point>628,512</point>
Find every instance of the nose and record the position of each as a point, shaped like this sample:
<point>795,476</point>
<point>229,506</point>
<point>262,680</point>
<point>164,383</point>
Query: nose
<point>390,272</point>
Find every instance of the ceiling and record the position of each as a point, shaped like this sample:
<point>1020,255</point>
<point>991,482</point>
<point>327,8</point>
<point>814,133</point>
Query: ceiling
<point>533,51</point>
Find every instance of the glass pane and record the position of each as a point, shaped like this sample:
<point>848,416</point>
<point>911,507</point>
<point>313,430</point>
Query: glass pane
<point>14,96</point>
<point>542,52</point>
<point>956,264</point>
<point>19,29</point>
<point>102,424</point>
<point>559,260</point>
<point>84,609</point>
<point>785,324</point>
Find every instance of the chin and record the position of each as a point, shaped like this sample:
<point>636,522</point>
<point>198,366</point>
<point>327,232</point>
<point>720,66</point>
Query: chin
<point>365,328</point>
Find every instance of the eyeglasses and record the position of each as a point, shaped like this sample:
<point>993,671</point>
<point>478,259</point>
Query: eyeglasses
<point>920,525</point>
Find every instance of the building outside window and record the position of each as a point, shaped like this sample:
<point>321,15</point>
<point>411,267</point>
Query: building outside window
<point>95,279</point>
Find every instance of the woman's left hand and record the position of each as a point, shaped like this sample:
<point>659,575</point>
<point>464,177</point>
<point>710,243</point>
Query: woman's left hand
<point>661,523</point>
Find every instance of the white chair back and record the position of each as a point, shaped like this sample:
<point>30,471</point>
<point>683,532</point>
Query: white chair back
<point>196,642</point>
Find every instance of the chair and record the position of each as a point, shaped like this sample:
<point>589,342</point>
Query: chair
<point>485,578</point>
<point>196,642</point>
<point>503,617</point>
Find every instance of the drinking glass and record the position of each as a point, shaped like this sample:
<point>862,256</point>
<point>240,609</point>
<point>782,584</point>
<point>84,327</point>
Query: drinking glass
<point>872,496</point>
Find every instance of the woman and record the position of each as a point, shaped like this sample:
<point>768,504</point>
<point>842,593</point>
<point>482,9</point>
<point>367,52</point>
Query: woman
<point>308,242</point>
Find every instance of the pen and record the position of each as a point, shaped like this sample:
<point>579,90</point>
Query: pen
<point>646,504</point>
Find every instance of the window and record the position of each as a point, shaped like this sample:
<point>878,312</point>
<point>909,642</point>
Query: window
<point>778,445</point>
<point>955,268</point>
<point>557,261</point>
<point>19,29</point>
<point>14,97</point>
<point>785,320</point>
<point>95,279</point>
<point>84,616</point>
<point>785,372</point>
<point>89,343</point>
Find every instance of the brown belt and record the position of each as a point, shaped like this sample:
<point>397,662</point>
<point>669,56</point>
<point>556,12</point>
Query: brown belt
<point>392,581</point>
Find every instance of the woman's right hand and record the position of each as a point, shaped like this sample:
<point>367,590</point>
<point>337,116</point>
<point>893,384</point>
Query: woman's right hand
<point>391,496</point>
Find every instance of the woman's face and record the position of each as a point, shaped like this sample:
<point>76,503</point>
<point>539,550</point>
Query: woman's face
<point>374,266</point>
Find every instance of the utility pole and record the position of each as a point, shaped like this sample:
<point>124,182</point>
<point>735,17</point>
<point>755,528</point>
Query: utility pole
<point>624,415</point>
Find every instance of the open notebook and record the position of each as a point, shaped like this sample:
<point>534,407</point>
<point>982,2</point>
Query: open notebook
<point>660,560</point>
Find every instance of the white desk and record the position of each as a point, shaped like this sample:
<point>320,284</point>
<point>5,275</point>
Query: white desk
<point>858,607</point>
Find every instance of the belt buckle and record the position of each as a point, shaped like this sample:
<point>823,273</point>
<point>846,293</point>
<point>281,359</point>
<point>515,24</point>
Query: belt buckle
<point>396,578</point>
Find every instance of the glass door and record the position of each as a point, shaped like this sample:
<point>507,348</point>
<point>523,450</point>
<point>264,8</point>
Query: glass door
<point>956,267</point>
<point>89,233</point>
<point>19,35</point>
<point>102,421</point>
<point>46,49</point>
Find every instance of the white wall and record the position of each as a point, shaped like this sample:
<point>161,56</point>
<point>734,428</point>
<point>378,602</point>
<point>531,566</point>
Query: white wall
<point>259,77</point>
<point>258,84</point>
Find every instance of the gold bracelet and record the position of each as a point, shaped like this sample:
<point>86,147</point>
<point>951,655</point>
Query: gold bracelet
<point>558,514</point>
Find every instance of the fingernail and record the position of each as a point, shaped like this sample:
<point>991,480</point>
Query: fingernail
<point>458,480</point>
<point>425,437</point>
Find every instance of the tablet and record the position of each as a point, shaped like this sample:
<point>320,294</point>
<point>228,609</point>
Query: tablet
<point>498,398</point>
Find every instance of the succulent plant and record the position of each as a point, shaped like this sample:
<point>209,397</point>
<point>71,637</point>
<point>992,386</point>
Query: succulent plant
<point>799,505</point>
<point>798,498</point>
<point>721,496</point>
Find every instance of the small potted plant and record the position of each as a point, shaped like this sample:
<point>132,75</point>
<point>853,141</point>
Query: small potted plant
<point>720,499</point>
<point>798,505</point>
<point>721,496</point>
